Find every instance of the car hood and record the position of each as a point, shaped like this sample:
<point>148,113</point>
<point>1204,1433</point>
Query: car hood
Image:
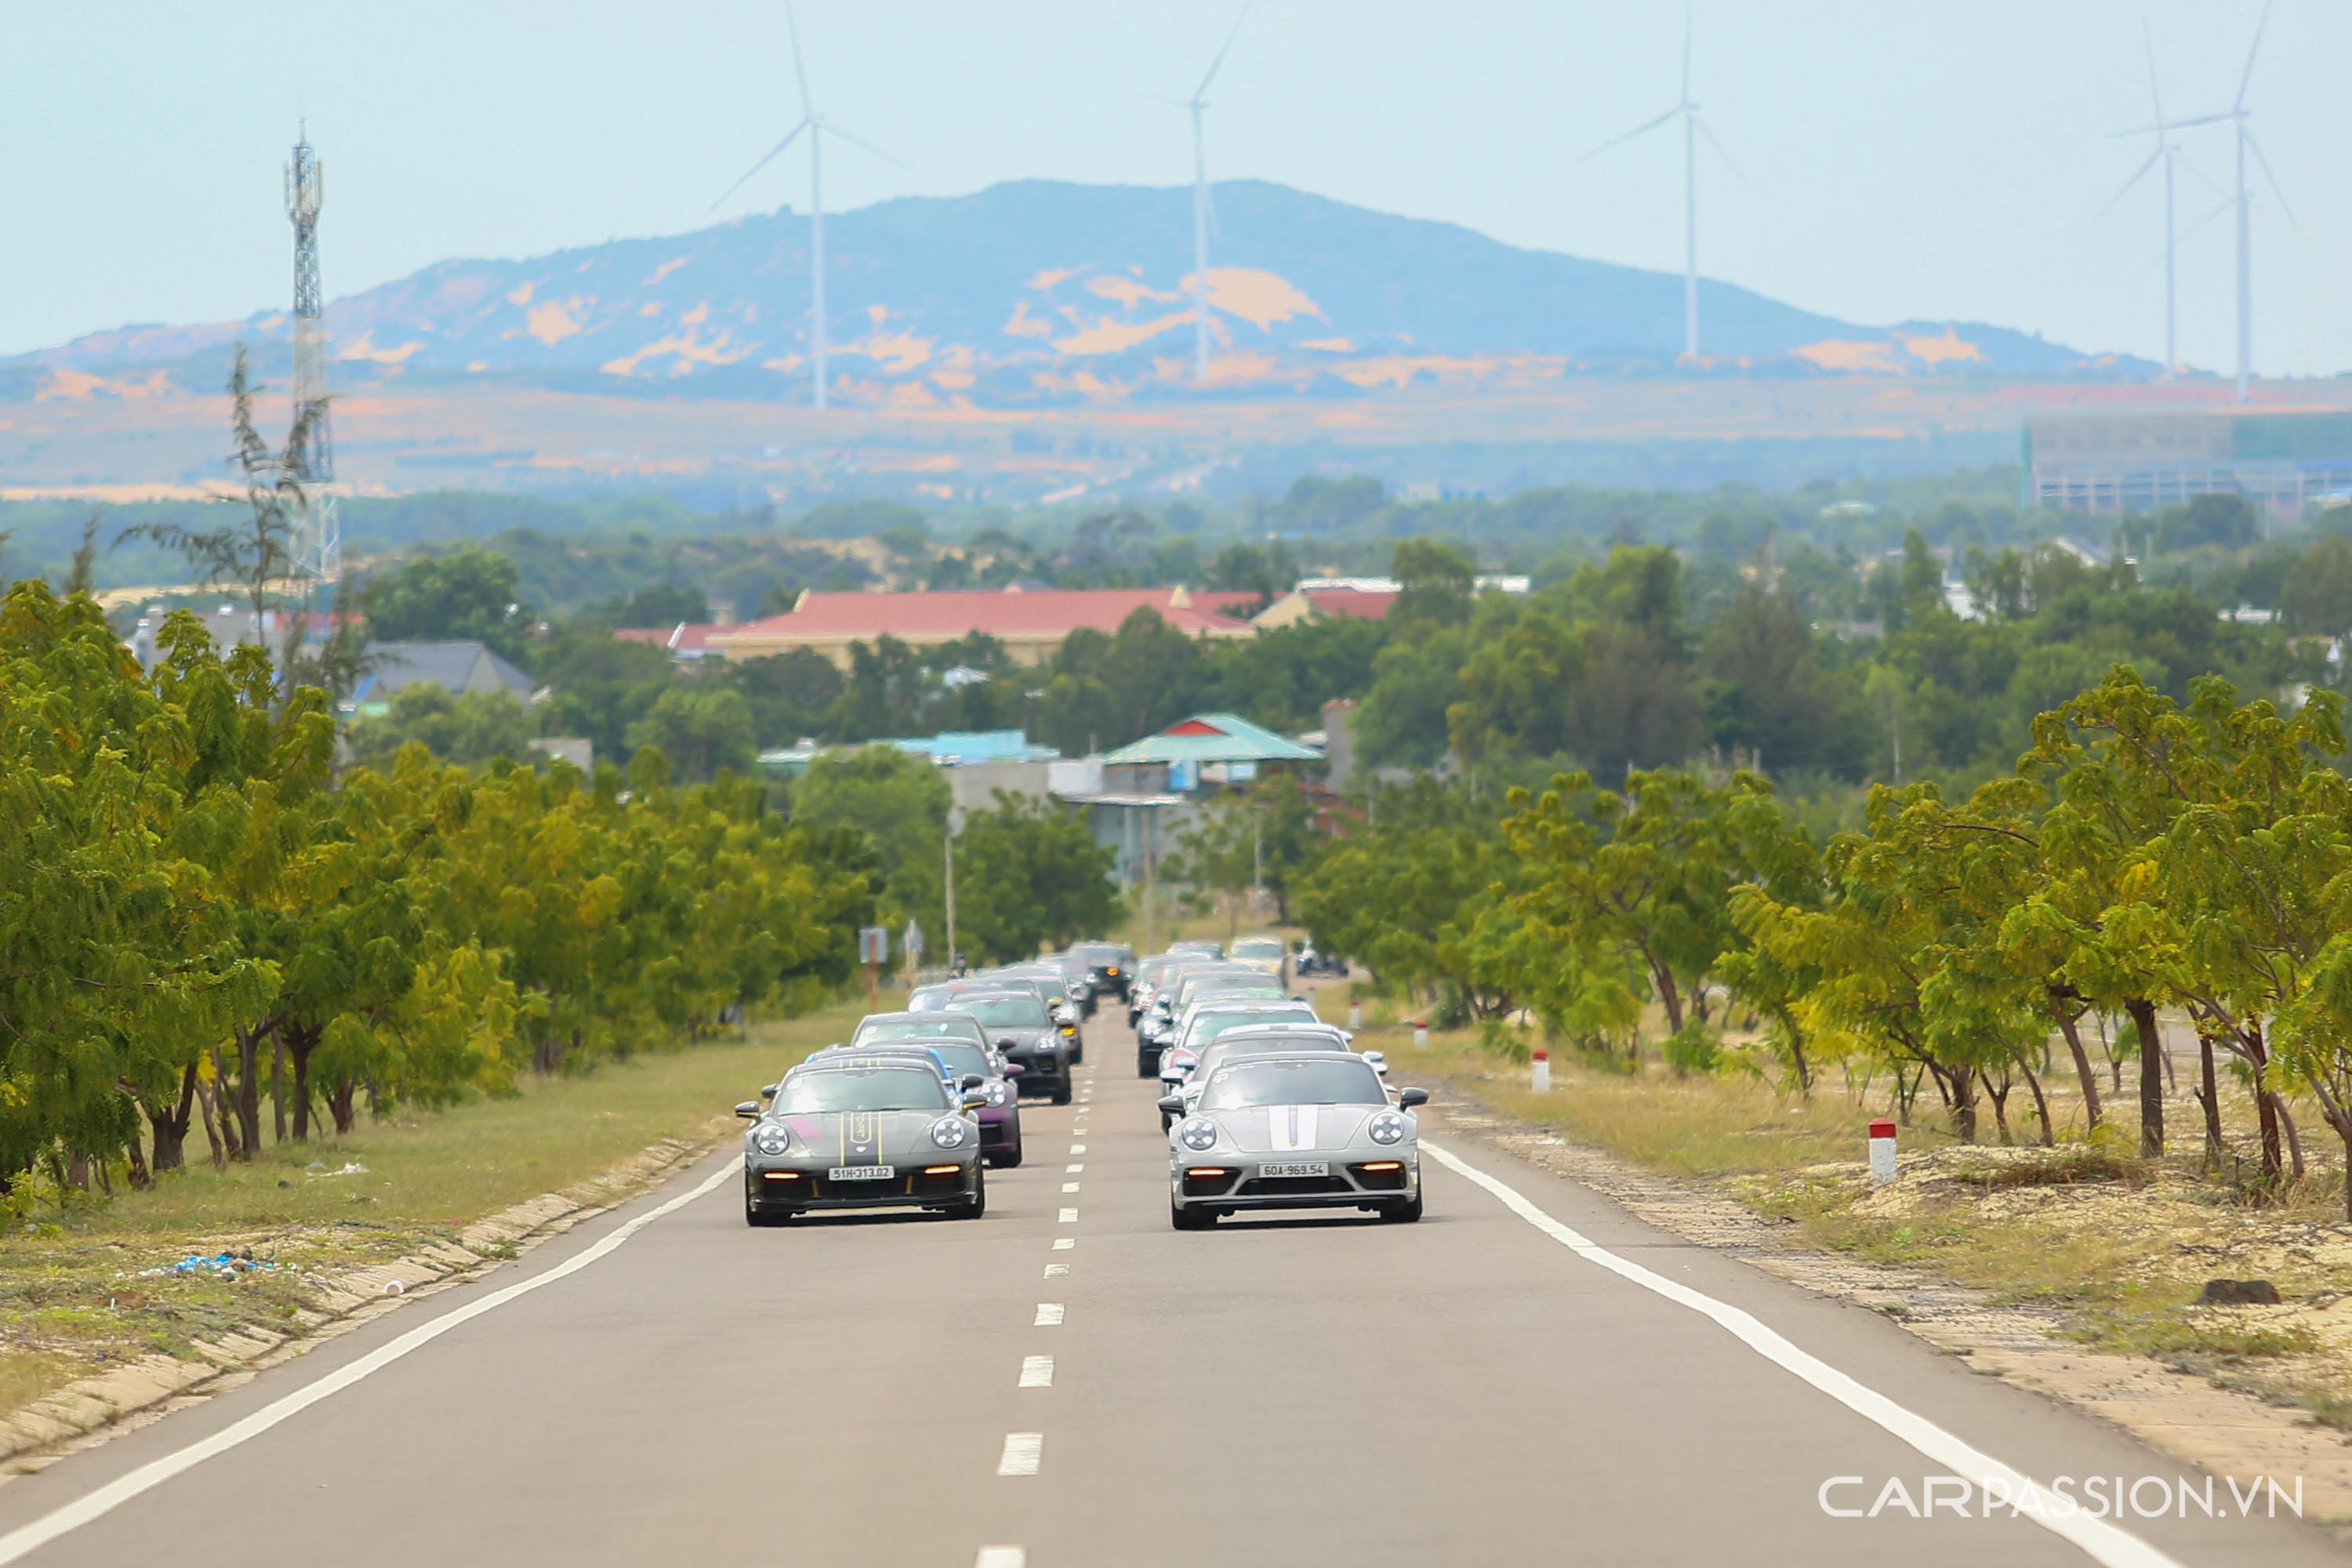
<point>862,1137</point>
<point>1288,1129</point>
<point>1023,1039</point>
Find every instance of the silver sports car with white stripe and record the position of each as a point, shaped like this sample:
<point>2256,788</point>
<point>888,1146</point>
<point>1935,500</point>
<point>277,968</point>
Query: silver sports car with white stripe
<point>1308,1130</point>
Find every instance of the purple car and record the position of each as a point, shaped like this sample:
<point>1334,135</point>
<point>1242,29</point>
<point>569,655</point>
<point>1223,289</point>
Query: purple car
<point>960,1056</point>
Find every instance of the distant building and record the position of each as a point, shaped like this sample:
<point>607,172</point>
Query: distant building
<point>458,668</point>
<point>229,625</point>
<point>688,639</point>
<point>2284,461</point>
<point>1031,624</point>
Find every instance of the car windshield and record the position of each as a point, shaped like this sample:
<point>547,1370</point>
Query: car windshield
<point>903,1029</point>
<point>1258,947</point>
<point>862,1088</point>
<point>1005,1012</point>
<point>963,1056</point>
<point>1348,1081</point>
<point>929,999</point>
<point>1252,1046</point>
<point>1099,952</point>
<point>1207,1026</point>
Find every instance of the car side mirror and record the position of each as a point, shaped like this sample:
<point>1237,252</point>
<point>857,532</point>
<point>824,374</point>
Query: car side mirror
<point>973,1080</point>
<point>1006,1042</point>
<point>1408,1098</point>
<point>767,1091</point>
<point>1014,1069</point>
<point>974,1102</point>
<point>749,1110</point>
<point>1172,1104</point>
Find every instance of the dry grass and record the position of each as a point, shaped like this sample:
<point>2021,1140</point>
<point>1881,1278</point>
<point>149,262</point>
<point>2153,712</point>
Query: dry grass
<point>2120,1247</point>
<point>73,1297</point>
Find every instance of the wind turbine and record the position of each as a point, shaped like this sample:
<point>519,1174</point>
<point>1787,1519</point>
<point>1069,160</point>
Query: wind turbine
<point>1202,215</point>
<point>1693,129</point>
<point>818,128</point>
<point>2238,116</point>
<point>2167,153</point>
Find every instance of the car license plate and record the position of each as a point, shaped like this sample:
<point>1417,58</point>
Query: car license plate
<point>1295,1168</point>
<point>861,1173</point>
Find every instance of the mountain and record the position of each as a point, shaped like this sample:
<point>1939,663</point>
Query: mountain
<point>1040,292</point>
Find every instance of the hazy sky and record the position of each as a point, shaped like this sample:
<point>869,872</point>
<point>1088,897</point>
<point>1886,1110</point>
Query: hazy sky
<point>1909,158</point>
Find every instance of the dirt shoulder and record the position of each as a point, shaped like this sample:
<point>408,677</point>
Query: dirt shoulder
<point>123,1307</point>
<point>2064,1272</point>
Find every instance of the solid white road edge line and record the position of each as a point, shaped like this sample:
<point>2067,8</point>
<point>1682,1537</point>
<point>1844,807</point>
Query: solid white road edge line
<point>2102,1542</point>
<point>72,1516</point>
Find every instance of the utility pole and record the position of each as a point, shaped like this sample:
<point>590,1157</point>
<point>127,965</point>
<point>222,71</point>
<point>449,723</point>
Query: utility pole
<point>950,843</point>
<point>1150,919</point>
<point>1257,862</point>
<point>317,541</point>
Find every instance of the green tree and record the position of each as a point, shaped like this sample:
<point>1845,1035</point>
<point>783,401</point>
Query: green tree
<point>898,804</point>
<point>470,594</point>
<point>469,727</point>
<point>1029,874</point>
<point>700,729</point>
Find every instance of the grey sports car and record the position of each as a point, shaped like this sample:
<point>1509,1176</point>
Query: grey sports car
<point>855,1133</point>
<point>1310,1129</point>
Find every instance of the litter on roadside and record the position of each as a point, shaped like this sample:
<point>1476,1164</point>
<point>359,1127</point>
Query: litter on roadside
<point>221,1265</point>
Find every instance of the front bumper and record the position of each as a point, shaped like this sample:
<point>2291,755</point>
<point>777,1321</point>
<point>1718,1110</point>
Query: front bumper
<point>787,1185</point>
<point>1043,1071</point>
<point>999,1127</point>
<point>1240,1184</point>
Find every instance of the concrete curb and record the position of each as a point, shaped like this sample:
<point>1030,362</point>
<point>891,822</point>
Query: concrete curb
<point>94,1408</point>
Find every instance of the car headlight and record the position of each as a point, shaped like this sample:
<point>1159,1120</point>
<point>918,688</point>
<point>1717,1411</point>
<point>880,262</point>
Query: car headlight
<point>1198,1135</point>
<point>997,1091</point>
<point>1387,1127</point>
<point>950,1132</point>
<point>769,1139</point>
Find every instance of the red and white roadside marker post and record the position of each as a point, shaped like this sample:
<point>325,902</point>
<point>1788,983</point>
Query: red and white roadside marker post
<point>1541,1076</point>
<point>1882,1152</point>
<point>1355,1016</point>
<point>1420,1033</point>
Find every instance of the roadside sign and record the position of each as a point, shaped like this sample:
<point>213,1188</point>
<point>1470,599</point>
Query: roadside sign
<point>874,944</point>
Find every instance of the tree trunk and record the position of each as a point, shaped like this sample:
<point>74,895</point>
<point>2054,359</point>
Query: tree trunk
<point>2083,1069</point>
<point>247,1103</point>
<point>2151,1078</point>
<point>2209,1094</point>
<point>277,1087</point>
<point>1999,1095</point>
<point>340,1106</point>
<point>2040,1102</point>
<point>1796,1051</point>
<point>141,1177</point>
<point>1669,997</point>
<point>298,1041</point>
<point>2294,1139</point>
<point>171,1126</point>
<point>215,1129</point>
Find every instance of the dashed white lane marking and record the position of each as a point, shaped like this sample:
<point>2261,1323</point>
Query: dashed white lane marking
<point>1055,1271</point>
<point>2103,1542</point>
<point>1049,1314</point>
<point>1069,1186</point>
<point>1065,1243</point>
<point>1001,1557</point>
<point>1021,1452</point>
<point>1071,1170</point>
<point>29,1538</point>
<point>1036,1371</point>
<point>1078,1148</point>
<point>1069,1217</point>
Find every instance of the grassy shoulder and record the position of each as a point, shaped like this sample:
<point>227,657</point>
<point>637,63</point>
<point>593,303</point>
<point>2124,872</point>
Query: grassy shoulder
<point>79,1292</point>
<point>2117,1248</point>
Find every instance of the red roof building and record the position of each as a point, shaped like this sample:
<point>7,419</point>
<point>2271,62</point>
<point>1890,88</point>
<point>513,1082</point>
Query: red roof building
<point>1311,604</point>
<point>688,639</point>
<point>1031,623</point>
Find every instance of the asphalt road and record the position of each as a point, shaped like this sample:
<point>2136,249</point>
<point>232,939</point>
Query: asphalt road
<point>1070,1383</point>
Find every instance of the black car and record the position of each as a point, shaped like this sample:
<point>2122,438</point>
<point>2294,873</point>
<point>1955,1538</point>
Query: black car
<point>1019,1026</point>
<point>1111,969</point>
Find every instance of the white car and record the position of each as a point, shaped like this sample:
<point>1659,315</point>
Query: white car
<point>1306,1130</point>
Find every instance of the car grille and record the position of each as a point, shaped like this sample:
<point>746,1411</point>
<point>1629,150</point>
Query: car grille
<point>1290,1186</point>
